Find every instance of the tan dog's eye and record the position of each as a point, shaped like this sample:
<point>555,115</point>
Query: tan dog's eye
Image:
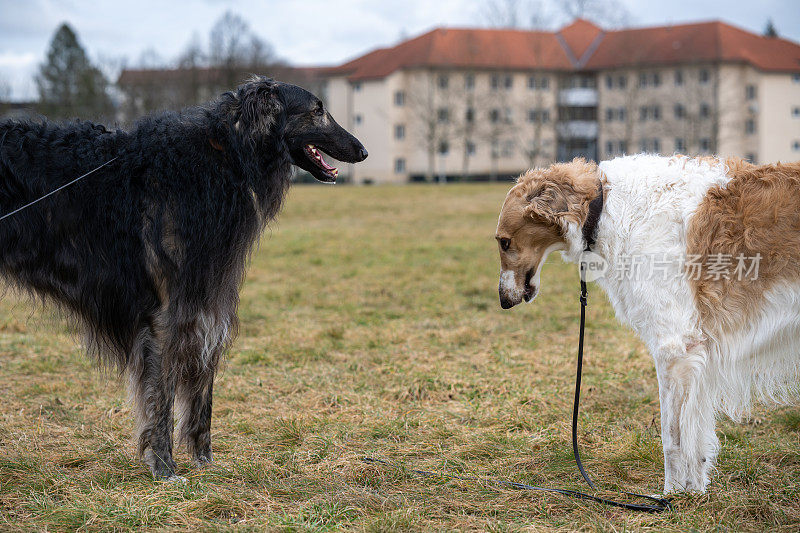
<point>504,244</point>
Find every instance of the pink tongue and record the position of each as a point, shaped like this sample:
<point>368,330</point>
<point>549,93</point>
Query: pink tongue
<point>324,164</point>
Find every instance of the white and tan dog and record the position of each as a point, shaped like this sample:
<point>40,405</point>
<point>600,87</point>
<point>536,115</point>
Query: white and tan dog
<point>703,262</point>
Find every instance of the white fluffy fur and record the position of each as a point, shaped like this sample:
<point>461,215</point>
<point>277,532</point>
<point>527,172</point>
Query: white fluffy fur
<point>649,204</point>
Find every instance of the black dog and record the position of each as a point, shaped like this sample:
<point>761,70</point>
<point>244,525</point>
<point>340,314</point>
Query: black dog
<point>149,252</point>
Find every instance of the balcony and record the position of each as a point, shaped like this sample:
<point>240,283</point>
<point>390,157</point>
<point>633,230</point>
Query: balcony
<point>578,96</point>
<point>577,129</point>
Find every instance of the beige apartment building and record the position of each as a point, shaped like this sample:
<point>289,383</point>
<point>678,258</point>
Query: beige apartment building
<point>484,103</point>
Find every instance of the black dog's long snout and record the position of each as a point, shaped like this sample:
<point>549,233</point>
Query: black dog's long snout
<point>357,152</point>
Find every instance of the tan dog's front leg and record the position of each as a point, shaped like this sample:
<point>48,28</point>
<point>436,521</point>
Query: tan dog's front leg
<point>687,417</point>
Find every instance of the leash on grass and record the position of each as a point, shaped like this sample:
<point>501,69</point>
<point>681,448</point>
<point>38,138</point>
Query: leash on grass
<point>656,504</point>
<point>15,211</point>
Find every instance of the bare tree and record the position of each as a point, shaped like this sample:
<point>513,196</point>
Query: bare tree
<point>150,59</point>
<point>433,116</point>
<point>235,50</point>
<point>544,14</point>
<point>608,13</point>
<point>502,13</point>
<point>527,14</point>
<point>5,90</point>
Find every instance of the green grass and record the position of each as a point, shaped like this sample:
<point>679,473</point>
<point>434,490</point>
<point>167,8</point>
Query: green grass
<point>370,325</point>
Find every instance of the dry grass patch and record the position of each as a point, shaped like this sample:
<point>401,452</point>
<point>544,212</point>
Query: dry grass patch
<point>370,326</point>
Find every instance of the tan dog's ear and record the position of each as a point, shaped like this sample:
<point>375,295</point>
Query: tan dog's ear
<point>549,203</point>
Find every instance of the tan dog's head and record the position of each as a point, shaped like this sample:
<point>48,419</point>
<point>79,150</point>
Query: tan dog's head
<point>534,221</point>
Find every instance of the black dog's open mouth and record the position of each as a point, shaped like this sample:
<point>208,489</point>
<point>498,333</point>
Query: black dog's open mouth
<point>316,157</point>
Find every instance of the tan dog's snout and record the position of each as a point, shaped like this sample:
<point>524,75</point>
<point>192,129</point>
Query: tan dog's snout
<point>512,292</point>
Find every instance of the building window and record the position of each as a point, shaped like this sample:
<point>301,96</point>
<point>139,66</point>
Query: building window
<point>610,114</point>
<point>444,81</point>
<point>705,144</point>
<point>649,112</point>
<point>470,148</point>
<point>357,86</point>
<point>680,144</point>
<point>494,116</point>
<point>622,81</point>
<point>609,148</point>
<point>704,75</point>
<point>399,165</point>
<point>609,84</point>
<point>796,112</point>
<point>469,81</point>
<point>357,119</point>
<point>538,83</point>
<point>508,148</point>
<point>650,145</point>
<point>656,79</point>
<point>399,131</point>
<point>537,115</point>
<point>443,115</point>
<point>680,111</point>
<point>469,115</point>
<point>502,81</point>
<point>796,146</point>
<point>749,126</point>
<point>750,157</point>
<point>444,148</point>
<point>678,77</point>
<point>621,112</point>
<point>399,98</point>
<point>750,92</point>
<point>643,79</point>
<point>705,110</point>
<point>796,78</point>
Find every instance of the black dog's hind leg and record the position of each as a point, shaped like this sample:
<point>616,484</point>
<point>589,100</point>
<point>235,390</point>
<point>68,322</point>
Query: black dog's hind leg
<point>195,422</point>
<point>153,390</point>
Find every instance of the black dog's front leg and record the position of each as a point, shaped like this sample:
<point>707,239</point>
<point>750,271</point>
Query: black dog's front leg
<point>153,388</point>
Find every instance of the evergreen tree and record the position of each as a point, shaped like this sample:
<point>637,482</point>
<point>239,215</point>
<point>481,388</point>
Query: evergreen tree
<point>69,85</point>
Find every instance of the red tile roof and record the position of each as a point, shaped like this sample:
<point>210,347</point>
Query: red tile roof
<point>580,45</point>
<point>579,37</point>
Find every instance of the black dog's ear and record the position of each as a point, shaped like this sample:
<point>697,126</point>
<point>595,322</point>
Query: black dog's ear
<point>260,104</point>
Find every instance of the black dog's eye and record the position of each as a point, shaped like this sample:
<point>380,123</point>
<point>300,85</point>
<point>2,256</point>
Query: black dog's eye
<point>318,111</point>
<point>504,244</point>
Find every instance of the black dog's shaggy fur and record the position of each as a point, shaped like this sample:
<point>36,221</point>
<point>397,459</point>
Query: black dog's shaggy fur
<point>149,252</point>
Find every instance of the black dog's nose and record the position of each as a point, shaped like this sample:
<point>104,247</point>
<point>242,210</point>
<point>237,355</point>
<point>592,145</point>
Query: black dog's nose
<point>362,154</point>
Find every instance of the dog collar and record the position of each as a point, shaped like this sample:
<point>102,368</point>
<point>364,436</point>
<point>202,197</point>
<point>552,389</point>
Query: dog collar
<point>590,226</point>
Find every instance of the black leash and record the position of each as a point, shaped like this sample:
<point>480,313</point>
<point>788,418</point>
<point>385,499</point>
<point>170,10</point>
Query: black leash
<point>658,504</point>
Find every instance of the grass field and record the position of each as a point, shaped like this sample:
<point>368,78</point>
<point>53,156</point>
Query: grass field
<point>370,325</point>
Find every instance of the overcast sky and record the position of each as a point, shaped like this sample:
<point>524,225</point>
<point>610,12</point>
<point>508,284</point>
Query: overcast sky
<point>303,32</point>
